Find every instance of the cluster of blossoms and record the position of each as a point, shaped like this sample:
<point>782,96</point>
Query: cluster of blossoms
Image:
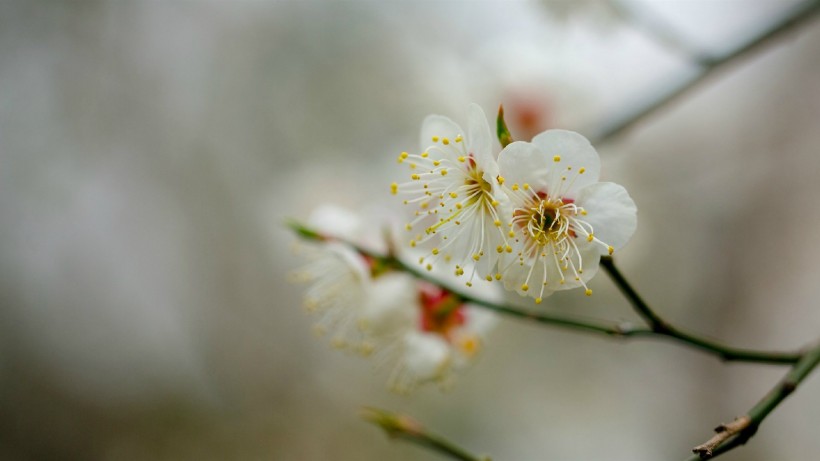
<point>369,306</point>
<point>534,217</point>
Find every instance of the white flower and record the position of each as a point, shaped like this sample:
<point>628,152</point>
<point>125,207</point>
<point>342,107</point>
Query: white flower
<point>447,336</point>
<point>455,190</point>
<point>561,218</point>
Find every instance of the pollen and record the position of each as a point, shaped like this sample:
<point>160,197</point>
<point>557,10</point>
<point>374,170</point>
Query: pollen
<point>515,187</point>
<point>497,223</point>
<point>582,170</point>
<point>453,195</point>
<point>445,141</point>
<point>500,179</point>
<point>489,278</point>
<point>526,186</point>
<point>538,300</point>
<point>590,237</point>
<point>435,138</point>
<point>425,154</point>
<point>444,172</point>
<point>436,162</point>
<point>462,159</point>
<point>394,188</point>
<point>435,251</point>
<point>498,276</point>
<point>588,292</point>
<point>525,287</point>
<point>556,159</point>
<point>415,177</point>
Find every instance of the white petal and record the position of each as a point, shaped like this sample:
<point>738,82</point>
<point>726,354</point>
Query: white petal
<point>611,212</point>
<point>426,356</point>
<point>391,306</point>
<point>481,141</point>
<point>522,162</point>
<point>335,221</point>
<point>517,275</point>
<point>573,152</point>
<point>440,127</point>
<point>480,321</point>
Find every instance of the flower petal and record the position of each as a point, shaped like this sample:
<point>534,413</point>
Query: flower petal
<point>481,141</point>
<point>574,157</point>
<point>522,162</point>
<point>438,127</point>
<point>426,357</point>
<point>391,306</point>
<point>611,212</point>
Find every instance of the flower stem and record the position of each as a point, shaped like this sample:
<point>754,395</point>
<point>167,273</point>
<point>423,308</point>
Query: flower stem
<point>659,326</point>
<point>794,17</point>
<point>405,428</point>
<point>732,435</point>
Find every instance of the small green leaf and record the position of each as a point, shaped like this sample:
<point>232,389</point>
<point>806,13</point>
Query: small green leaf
<point>303,231</point>
<point>504,136</point>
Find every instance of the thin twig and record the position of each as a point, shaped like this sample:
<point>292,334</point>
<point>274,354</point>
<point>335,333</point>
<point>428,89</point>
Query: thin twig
<point>751,421</point>
<point>403,427</point>
<point>788,21</point>
<point>659,329</point>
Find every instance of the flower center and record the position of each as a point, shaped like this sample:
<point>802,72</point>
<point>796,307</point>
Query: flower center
<point>441,311</point>
<point>546,220</point>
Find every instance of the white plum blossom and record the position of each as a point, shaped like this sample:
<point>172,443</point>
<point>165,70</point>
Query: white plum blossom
<point>456,194</point>
<point>448,333</point>
<point>360,303</point>
<point>561,219</point>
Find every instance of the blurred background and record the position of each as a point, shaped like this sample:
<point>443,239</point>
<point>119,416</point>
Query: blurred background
<point>150,152</point>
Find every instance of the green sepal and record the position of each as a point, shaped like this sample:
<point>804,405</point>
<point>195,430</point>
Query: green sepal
<point>504,136</point>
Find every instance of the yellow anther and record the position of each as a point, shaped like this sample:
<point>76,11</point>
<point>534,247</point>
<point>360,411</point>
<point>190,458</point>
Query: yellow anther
<point>476,256</point>
<point>403,155</point>
<point>557,158</point>
<point>500,179</point>
<point>408,227</point>
<point>515,187</point>
<point>399,159</point>
<point>525,287</point>
<point>462,159</point>
<point>412,166</point>
<point>511,234</point>
<point>469,284</point>
<point>588,292</point>
<point>459,138</point>
<point>445,141</point>
<point>494,203</point>
<point>447,258</point>
<point>611,250</point>
<point>412,243</point>
<point>458,206</point>
<point>497,223</point>
<point>590,237</point>
<point>498,276</point>
<point>489,278</point>
<point>424,154</point>
<point>436,162</point>
<point>526,186</point>
<point>421,260</point>
<point>453,195</point>
<point>435,138</point>
<point>424,205</point>
<point>583,212</point>
<point>499,249</point>
<point>394,188</point>
<point>415,177</point>
<point>538,300</point>
<point>581,171</point>
<point>429,267</point>
<point>444,172</point>
<point>435,251</point>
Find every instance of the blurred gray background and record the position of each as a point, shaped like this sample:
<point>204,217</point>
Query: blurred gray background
<point>150,152</point>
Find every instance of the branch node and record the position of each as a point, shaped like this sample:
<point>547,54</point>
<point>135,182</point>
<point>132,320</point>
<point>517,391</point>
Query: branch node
<point>723,432</point>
